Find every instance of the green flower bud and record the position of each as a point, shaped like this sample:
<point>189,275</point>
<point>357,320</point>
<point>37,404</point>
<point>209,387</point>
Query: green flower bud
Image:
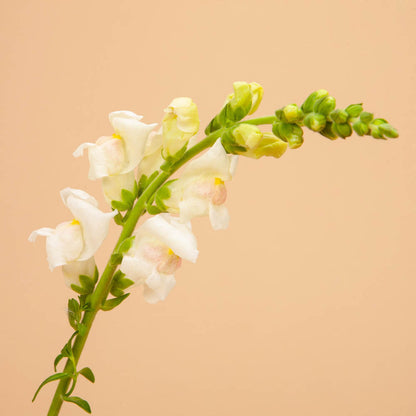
<point>292,113</point>
<point>290,133</point>
<point>307,106</point>
<point>376,132</point>
<point>268,146</point>
<point>339,116</point>
<point>328,132</point>
<point>342,130</point>
<point>239,104</point>
<point>279,115</point>
<point>360,128</point>
<point>324,105</point>
<point>354,110</point>
<point>257,91</point>
<point>247,135</point>
<point>389,131</point>
<point>315,121</point>
<point>366,117</point>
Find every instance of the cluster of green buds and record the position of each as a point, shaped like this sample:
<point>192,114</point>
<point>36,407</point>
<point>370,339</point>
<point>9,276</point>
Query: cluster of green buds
<point>319,114</point>
<point>244,101</point>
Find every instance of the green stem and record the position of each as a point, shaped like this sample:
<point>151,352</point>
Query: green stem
<point>103,287</point>
<point>260,120</point>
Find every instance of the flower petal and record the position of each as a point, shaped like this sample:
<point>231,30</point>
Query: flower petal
<point>65,244</point>
<point>193,207</point>
<point>157,287</point>
<point>134,134</point>
<point>94,222</point>
<point>135,268</point>
<point>215,163</point>
<point>112,185</point>
<point>44,232</point>
<point>219,216</point>
<point>73,269</point>
<point>173,233</point>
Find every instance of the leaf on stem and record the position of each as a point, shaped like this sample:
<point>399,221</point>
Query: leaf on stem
<point>112,303</point>
<point>83,404</point>
<point>53,377</point>
<point>87,373</point>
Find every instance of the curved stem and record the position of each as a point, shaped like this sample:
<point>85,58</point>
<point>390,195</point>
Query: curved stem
<point>103,287</point>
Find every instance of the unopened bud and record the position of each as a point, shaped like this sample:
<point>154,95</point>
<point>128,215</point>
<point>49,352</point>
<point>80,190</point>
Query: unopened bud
<point>247,135</point>
<point>309,103</point>
<point>315,121</point>
<point>324,105</point>
<point>360,128</point>
<point>290,133</point>
<point>342,130</point>
<point>328,132</point>
<point>240,102</point>
<point>292,113</point>
<point>339,116</point>
<point>354,110</point>
<point>389,131</point>
<point>366,117</point>
<point>257,91</point>
<point>269,145</point>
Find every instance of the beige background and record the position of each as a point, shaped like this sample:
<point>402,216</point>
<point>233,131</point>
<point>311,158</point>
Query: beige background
<point>305,305</point>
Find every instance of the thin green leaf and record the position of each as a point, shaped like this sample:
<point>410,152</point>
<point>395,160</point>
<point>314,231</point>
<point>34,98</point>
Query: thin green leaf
<point>118,219</point>
<point>87,282</point>
<point>80,290</point>
<point>119,205</point>
<point>83,404</point>
<point>153,210</point>
<point>124,283</point>
<point>87,373</point>
<point>127,197</point>
<point>53,377</point>
<point>112,303</point>
<point>116,259</point>
<point>57,360</point>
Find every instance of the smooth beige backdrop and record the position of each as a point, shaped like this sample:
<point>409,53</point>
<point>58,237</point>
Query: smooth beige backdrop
<point>305,305</point>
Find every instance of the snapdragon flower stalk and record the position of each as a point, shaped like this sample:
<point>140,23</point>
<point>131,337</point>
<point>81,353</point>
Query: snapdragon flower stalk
<point>149,255</point>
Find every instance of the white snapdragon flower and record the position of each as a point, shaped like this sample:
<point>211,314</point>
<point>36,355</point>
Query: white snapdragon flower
<point>152,154</point>
<point>114,158</point>
<point>201,190</point>
<point>158,247</point>
<point>73,243</point>
<point>180,123</point>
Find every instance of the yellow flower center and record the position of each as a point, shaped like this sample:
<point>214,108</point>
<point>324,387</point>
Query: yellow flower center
<point>116,136</point>
<point>219,181</point>
<point>74,222</point>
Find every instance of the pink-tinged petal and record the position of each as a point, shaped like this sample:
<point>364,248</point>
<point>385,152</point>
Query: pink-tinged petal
<point>173,233</point>
<point>73,269</point>
<point>219,217</point>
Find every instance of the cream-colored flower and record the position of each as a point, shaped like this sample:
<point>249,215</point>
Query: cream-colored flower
<point>180,123</point>
<point>115,157</point>
<point>158,247</point>
<point>76,241</point>
<point>201,190</point>
<point>152,154</point>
